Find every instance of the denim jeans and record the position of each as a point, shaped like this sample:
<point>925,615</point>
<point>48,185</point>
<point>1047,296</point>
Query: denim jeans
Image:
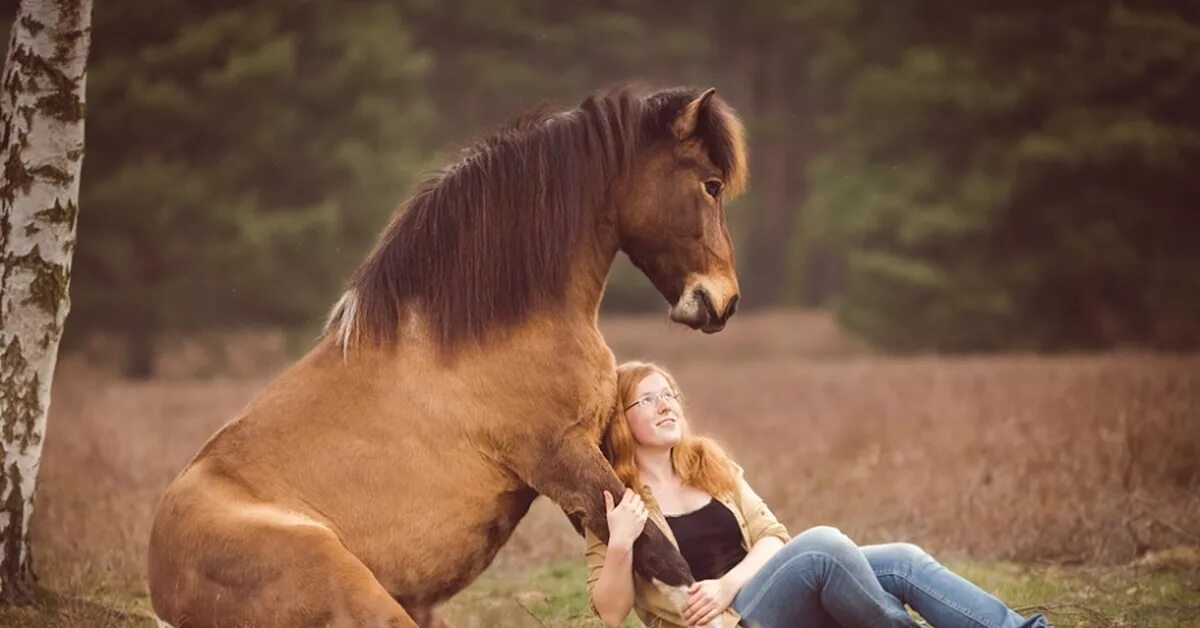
<point>821,579</point>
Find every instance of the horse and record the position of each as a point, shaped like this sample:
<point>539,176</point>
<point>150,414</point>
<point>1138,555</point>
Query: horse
<point>461,374</point>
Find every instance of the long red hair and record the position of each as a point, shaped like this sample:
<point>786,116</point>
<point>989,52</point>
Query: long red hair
<point>700,461</point>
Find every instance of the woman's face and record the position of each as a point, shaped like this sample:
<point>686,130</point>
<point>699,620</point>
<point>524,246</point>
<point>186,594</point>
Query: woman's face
<point>655,418</point>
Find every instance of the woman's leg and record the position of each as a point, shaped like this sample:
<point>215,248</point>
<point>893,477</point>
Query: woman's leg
<point>942,597</point>
<point>820,579</point>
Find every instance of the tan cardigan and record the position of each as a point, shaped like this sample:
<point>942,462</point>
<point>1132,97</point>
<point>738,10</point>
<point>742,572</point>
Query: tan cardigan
<point>655,610</point>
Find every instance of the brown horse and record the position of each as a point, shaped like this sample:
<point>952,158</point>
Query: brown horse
<point>462,374</point>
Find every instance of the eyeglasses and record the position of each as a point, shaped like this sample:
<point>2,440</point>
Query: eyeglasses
<point>645,401</point>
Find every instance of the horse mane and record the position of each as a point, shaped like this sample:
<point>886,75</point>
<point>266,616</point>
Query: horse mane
<point>485,241</point>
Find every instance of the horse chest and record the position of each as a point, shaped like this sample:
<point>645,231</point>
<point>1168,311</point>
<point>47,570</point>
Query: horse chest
<point>571,386</point>
<point>592,402</point>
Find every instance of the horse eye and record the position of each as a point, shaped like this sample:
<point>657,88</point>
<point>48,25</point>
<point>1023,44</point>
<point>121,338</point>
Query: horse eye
<point>713,187</point>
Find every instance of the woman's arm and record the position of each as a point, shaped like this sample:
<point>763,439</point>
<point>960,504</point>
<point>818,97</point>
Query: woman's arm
<point>767,535</point>
<point>762,551</point>
<point>709,598</point>
<point>612,594</point>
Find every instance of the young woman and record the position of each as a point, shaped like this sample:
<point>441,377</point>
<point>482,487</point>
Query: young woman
<point>747,567</point>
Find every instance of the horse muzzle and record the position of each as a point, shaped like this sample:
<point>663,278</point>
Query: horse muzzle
<point>697,308</point>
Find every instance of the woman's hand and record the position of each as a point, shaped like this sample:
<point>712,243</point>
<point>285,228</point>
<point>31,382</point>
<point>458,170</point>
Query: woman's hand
<point>625,520</point>
<point>706,600</point>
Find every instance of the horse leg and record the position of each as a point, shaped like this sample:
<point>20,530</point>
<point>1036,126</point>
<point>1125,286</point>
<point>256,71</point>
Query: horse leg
<point>429,618</point>
<point>575,475</point>
<point>256,565</point>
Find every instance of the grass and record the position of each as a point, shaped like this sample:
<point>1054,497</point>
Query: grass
<point>1163,592</point>
<point>1145,594</point>
<point>1161,596</point>
<point>53,610</point>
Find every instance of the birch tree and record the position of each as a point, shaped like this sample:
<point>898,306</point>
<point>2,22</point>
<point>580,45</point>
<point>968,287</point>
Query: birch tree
<point>42,110</point>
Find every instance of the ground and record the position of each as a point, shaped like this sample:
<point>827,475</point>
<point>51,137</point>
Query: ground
<point>1158,593</point>
<point>1067,483</point>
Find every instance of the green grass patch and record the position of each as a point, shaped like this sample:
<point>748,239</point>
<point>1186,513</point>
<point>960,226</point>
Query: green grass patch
<point>547,596</point>
<point>52,610</point>
<point>1155,594</point>
<point>1158,593</point>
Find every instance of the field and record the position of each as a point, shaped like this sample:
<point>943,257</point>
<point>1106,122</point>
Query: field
<point>1070,483</point>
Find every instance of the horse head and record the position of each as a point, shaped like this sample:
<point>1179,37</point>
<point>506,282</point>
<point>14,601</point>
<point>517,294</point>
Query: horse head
<point>671,205</point>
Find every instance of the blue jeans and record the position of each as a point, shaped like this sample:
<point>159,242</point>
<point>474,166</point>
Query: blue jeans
<point>821,579</point>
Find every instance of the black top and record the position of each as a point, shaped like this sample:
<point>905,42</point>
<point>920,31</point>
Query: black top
<point>709,539</point>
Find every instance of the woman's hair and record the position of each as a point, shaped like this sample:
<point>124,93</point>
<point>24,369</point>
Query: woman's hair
<point>699,461</point>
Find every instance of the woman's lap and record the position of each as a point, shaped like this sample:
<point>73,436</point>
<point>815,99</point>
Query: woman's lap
<point>821,578</point>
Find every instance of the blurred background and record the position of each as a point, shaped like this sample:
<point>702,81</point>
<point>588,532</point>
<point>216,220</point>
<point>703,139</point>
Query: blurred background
<point>974,176</point>
<point>969,257</point>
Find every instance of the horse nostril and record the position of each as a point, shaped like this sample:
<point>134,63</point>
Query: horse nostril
<point>730,309</point>
<point>710,312</point>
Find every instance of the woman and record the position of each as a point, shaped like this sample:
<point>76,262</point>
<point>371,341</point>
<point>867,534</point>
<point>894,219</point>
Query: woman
<point>747,567</point>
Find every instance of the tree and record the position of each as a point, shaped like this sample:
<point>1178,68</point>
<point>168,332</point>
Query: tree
<point>42,110</point>
<point>957,178</point>
<point>1015,176</point>
<point>245,156</point>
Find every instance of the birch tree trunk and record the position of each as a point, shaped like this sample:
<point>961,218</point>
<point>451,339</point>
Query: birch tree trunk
<point>41,108</point>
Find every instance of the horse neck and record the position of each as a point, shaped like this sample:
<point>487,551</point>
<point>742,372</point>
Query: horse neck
<point>590,265</point>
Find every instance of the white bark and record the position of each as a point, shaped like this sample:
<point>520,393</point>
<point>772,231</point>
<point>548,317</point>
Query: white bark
<point>41,110</point>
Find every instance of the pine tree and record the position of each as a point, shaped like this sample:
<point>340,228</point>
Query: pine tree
<point>245,158</point>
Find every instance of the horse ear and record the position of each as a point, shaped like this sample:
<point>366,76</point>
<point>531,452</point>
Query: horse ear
<point>685,123</point>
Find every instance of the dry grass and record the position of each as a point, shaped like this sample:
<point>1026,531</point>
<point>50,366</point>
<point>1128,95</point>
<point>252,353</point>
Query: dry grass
<point>1092,459</point>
